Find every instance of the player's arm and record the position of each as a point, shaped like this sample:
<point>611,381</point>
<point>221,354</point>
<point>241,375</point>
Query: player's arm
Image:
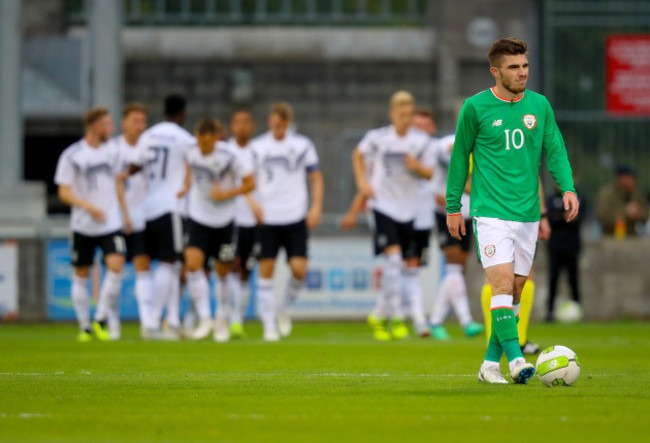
<point>317,186</point>
<point>558,163</point>
<point>256,208</point>
<point>187,182</point>
<point>459,168</point>
<point>544,225</point>
<point>414,164</point>
<point>120,186</point>
<point>67,196</point>
<point>350,218</point>
<point>358,166</point>
<point>247,185</point>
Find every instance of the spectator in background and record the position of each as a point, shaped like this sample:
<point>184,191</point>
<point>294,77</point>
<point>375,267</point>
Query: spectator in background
<point>563,247</point>
<point>621,207</point>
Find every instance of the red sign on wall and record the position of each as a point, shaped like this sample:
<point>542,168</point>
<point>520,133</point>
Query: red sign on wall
<point>628,74</point>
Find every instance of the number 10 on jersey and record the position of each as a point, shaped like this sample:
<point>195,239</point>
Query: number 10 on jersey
<point>517,138</point>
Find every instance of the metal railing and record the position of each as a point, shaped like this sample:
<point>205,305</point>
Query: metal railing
<point>265,12</point>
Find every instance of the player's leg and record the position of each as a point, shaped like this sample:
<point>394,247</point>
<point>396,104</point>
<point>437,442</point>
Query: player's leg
<point>223,248</point>
<point>295,243</point>
<point>411,286</point>
<point>196,255</point>
<point>114,249</point>
<point>173,306</point>
<point>555,266</point>
<point>269,248</point>
<point>136,246</point>
<point>82,250</point>
<point>573,274</point>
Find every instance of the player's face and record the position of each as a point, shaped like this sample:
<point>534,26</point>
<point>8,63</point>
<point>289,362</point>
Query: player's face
<point>104,128</point>
<point>278,126</point>
<point>134,124</point>
<point>207,141</point>
<point>402,116</point>
<point>424,123</point>
<point>512,72</point>
<point>242,126</point>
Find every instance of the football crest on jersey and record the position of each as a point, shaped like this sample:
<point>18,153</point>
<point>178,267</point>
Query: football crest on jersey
<point>490,250</point>
<point>530,121</point>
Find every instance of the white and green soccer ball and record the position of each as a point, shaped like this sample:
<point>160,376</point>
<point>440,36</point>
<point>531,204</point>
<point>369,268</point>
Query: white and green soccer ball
<point>569,312</point>
<point>558,366</point>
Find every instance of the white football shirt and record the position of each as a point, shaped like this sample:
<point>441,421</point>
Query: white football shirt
<point>90,173</point>
<point>244,216</point>
<point>225,167</point>
<point>281,169</point>
<point>441,166</point>
<point>424,220</point>
<point>162,149</point>
<point>136,185</point>
<point>395,187</point>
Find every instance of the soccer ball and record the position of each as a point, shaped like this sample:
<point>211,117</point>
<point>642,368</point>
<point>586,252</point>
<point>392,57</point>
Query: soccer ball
<point>569,312</point>
<point>557,366</point>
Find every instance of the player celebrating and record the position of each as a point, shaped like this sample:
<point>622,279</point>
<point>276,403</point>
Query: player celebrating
<point>85,175</point>
<point>162,149</point>
<point>285,161</point>
<point>214,167</point>
<point>248,214</point>
<point>132,191</point>
<point>452,290</point>
<point>507,129</point>
<point>399,161</point>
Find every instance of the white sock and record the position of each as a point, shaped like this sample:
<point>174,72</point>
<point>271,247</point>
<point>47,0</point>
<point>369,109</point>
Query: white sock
<point>442,302</point>
<point>109,294</point>
<point>379,311</point>
<point>245,296</point>
<point>145,298</point>
<point>197,282</point>
<point>291,293</point>
<point>392,284</point>
<point>458,294</point>
<point>221,290</point>
<point>488,364</point>
<point>405,296</point>
<point>189,320</point>
<point>235,291</point>
<point>164,277</point>
<point>174,302</point>
<point>80,301</point>
<point>412,291</point>
<point>266,303</point>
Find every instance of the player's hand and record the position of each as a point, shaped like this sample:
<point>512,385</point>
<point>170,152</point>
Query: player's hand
<point>182,193</point>
<point>128,225</point>
<point>258,213</point>
<point>366,190</point>
<point>544,229</point>
<point>313,217</point>
<point>218,194</point>
<point>633,210</point>
<point>456,225</point>
<point>571,206</point>
<point>97,214</point>
<point>348,221</point>
<point>412,163</point>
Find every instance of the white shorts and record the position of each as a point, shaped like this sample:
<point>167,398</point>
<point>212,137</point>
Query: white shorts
<point>504,241</point>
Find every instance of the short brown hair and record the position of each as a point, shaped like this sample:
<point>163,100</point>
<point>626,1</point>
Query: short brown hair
<point>506,46</point>
<point>94,114</point>
<point>133,107</point>
<point>424,112</point>
<point>208,126</point>
<point>284,110</point>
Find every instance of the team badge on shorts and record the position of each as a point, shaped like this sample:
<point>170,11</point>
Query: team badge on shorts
<point>530,121</point>
<point>490,250</point>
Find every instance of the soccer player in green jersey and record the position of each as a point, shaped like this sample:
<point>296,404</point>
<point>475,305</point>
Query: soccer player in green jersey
<point>506,128</point>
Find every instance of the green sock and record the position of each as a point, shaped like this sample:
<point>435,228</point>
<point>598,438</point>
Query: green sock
<point>505,327</point>
<point>494,349</point>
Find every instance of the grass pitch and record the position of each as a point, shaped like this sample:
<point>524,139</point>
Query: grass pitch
<point>327,383</point>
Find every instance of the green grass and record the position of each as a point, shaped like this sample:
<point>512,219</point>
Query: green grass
<point>328,383</point>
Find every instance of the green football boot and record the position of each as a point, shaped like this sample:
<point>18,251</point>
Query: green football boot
<point>398,329</point>
<point>473,329</point>
<point>101,331</point>
<point>237,331</point>
<point>378,326</point>
<point>439,333</point>
<point>84,336</point>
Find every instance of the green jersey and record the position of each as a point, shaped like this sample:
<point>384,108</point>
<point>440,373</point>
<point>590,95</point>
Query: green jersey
<point>506,139</point>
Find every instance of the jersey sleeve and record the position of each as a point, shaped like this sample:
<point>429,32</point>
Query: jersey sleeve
<point>311,158</point>
<point>243,164</point>
<point>367,143</point>
<point>65,171</point>
<point>459,163</point>
<point>557,160</point>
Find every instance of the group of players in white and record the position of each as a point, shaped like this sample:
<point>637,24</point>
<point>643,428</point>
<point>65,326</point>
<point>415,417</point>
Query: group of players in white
<point>205,201</point>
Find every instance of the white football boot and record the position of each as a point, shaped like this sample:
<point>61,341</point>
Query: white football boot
<point>203,330</point>
<point>284,323</point>
<point>491,374</point>
<point>522,371</point>
<point>221,330</point>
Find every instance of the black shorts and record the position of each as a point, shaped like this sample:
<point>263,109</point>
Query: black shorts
<point>444,237</point>
<point>421,247</point>
<point>292,237</point>
<point>217,243</point>
<point>164,237</point>
<point>389,232</point>
<point>136,244</point>
<point>82,247</point>
<point>248,247</point>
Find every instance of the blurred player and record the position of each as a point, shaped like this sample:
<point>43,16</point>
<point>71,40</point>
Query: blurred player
<point>399,161</point>
<point>218,174</point>
<point>452,289</point>
<point>85,175</point>
<point>285,161</point>
<point>248,214</point>
<point>132,191</point>
<point>506,129</point>
<point>162,149</point>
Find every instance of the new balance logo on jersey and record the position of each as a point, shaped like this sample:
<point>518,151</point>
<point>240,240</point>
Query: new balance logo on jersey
<point>498,122</point>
